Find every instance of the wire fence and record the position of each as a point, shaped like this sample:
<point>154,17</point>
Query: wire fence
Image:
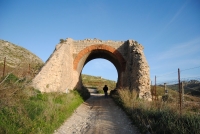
<point>21,69</point>
<point>181,82</point>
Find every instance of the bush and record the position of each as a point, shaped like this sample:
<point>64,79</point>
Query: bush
<point>11,78</point>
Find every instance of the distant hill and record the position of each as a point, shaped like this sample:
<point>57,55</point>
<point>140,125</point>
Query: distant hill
<point>97,82</point>
<point>191,90</point>
<point>18,59</point>
<point>191,87</point>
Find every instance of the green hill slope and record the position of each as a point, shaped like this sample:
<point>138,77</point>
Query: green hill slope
<point>97,82</point>
<point>24,109</point>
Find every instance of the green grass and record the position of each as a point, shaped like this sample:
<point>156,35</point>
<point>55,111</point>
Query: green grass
<point>26,110</point>
<point>157,117</point>
<point>97,83</point>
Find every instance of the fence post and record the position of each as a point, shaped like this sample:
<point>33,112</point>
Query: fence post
<point>180,91</point>
<point>152,91</point>
<point>156,98</point>
<point>182,87</point>
<point>29,69</point>
<point>4,67</point>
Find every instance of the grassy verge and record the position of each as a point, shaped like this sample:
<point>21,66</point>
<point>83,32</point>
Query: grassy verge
<point>26,110</point>
<point>157,117</point>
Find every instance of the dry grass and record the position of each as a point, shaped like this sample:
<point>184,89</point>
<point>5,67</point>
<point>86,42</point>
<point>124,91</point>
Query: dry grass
<point>26,110</point>
<point>158,116</point>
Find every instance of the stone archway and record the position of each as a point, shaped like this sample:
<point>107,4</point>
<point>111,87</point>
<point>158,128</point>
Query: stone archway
<point>62,70</point>
<point>101,51</point>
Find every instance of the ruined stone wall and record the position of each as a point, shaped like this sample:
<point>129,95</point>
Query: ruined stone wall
<point>138,70</point>
<point>59,74</point>
<point>81,44</point>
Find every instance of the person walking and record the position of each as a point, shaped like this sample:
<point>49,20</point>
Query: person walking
<point>105,89</point>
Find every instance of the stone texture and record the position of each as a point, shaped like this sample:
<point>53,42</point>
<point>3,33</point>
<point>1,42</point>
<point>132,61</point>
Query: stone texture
<point>62,71</point>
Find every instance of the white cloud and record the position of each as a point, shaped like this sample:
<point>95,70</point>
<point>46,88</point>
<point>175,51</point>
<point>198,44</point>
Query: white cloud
<point>170,22</point>
<point>176,15</point>
<point>183,49</point>
<point>184,55</point>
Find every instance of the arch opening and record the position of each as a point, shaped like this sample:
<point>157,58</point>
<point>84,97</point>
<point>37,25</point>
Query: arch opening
<point>95,72</point>
<point>104,52</point>
<point>101,68</point>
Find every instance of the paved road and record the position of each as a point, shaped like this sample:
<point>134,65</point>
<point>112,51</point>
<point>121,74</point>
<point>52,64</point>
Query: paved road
<point>98,115</point>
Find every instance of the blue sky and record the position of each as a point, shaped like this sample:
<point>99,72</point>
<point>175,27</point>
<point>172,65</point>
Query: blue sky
<point>169,30</point>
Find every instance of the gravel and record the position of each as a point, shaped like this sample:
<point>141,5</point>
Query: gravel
<point>98,115</point>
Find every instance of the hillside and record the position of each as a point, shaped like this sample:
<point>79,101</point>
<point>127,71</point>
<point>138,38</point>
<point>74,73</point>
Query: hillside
<point>191,87</point>
<point>174,94</point>
<point>18,59</point>
<point>97,82</point>
<point>24,109</point>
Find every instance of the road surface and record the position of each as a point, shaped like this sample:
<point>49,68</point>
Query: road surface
<point>98,115</point>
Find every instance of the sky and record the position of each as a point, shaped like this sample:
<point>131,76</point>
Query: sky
<point>169,30</point>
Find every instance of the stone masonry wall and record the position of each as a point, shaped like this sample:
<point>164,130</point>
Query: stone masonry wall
<point>139,78</point>
<point>59,74</point>
<point>81,44</point>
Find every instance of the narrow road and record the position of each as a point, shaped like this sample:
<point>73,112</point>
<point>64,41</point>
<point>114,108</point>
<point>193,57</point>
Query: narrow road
<point>98,115</point>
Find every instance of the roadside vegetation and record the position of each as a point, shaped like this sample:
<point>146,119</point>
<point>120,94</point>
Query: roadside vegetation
<point>24,109</point>
<point>158,116</point>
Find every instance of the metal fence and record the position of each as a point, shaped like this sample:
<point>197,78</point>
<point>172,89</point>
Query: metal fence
<point>22,69</point>
<point>177,84</point>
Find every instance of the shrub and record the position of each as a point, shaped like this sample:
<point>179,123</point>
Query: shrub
<point>11,78</point>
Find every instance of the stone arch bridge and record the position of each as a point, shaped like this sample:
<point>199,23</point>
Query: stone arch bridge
<point>62,71</point>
